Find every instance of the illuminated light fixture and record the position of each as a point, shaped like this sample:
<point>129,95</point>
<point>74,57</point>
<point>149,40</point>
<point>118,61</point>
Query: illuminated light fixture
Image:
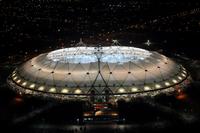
<point>121,90</point>
<point>183,75</point>
<point>114,114</point>
<point>32,86</point>
<point>15,78</point>
<point>174,80</point>
<point>146,88</point>
<point>77,91</point>
<point>180,78</point>
<point>134,89</point>
<point>52,90</point>
<point>184,71</point>
<point>157,86</point>
<point>65,91</point>
<point>13,74</point>
<point>18,81</point>
<point>41,88</point>
<point>167,83</point>
<point>24,83</point>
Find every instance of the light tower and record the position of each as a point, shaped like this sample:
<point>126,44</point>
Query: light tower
<point>148,43</point>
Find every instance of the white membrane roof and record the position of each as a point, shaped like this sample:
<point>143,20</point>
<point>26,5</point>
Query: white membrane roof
<point>78,69</point>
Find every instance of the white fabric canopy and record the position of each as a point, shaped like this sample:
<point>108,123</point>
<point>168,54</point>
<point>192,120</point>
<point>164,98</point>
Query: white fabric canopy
<point>111,67</point>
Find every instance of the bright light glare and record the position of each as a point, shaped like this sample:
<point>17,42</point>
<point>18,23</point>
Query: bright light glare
<point>65,91</point>
<point>121,90</point>
<point>167,83</point>
<point>134,89</point>
<point>52,90</point>
<point>146,88</point>
<point>157,86</point>
<point>112,54</point>
<point>32,85</point>
<point>41,88</point>
<point>77,91</point>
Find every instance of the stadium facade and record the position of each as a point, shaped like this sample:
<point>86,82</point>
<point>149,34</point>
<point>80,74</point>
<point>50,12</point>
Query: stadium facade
<point>98,73</point>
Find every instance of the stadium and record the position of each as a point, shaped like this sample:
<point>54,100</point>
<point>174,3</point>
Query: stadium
<point>102,73</point>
